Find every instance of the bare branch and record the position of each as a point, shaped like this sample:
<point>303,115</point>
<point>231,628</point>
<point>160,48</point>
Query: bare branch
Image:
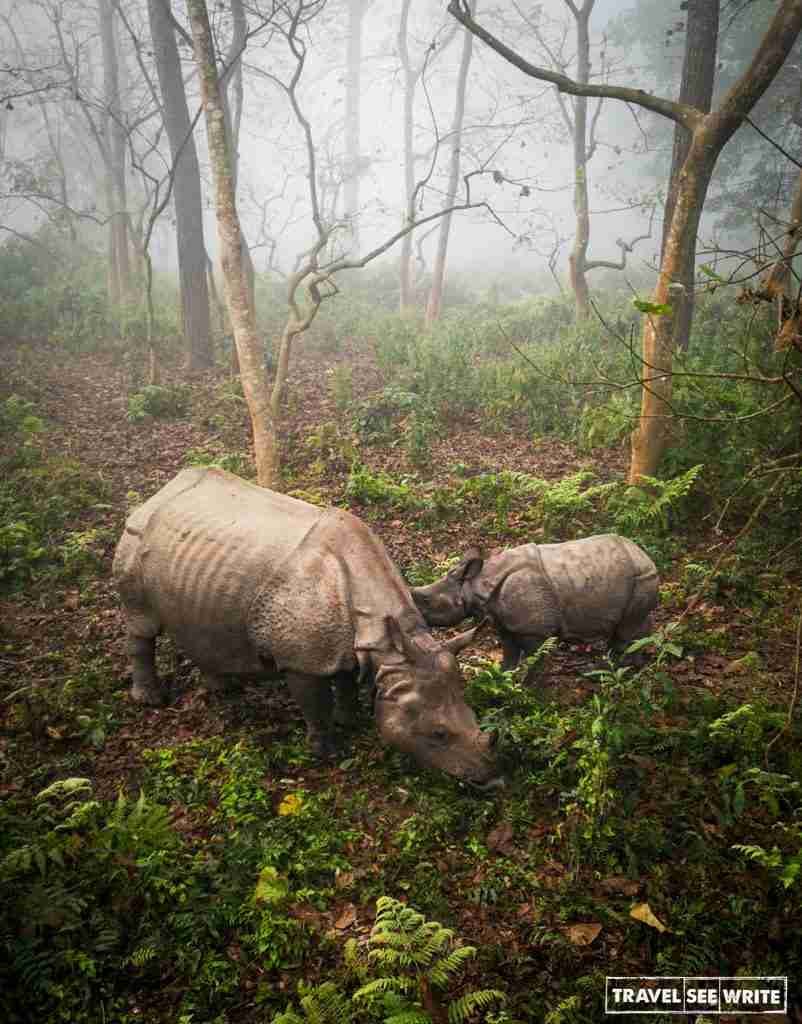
<point>685,115</point>
<point>625,247</point>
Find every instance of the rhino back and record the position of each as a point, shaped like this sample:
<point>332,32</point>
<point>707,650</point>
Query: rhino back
<point>206,550</point>
<point>331,600</point>
<point>593,580</point>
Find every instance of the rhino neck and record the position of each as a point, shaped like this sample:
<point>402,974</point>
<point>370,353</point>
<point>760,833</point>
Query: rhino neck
<point>375,588</point>
<point>479,594</point>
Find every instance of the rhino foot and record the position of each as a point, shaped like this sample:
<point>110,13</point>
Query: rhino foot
<point>324,748</point>
<point>150,694</point>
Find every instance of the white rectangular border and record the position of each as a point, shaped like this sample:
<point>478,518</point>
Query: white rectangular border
<point>706,1011</point>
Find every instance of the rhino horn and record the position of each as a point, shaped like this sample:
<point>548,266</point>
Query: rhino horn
<point>456,643</point>
<point>402,642</point>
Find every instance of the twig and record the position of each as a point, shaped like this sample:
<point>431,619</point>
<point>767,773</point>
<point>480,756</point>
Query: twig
<point>794,696</point>
<point>695,598</point>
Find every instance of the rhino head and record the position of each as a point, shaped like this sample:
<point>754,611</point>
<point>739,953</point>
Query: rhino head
<point>447,601</point>
<point>420,709</point>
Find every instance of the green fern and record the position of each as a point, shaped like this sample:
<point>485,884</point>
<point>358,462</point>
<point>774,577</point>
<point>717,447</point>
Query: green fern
<point>473,1002</point>
<point>422,956</point>
<point>649,506</point>
<point>323,1004</point>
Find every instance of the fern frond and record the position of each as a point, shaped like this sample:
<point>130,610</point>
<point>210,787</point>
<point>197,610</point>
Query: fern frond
<point>326,1004</point>
<point>289,1017</point>
<point>446,967</point>
<point>462,1008</point>
<point>391,984</point>
<point>409,1017</point>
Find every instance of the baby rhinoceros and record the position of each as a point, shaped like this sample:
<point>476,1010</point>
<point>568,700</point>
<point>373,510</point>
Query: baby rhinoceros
<point>249,581</point>
<point>602,587</point>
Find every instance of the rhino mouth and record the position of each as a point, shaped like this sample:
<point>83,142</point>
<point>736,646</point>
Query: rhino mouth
<point>489,785</point>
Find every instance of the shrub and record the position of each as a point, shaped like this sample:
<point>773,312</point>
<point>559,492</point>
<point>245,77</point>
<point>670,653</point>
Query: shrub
<point>157,401</point>
<point>233,462</point>
<point>377,488</point>
<point>341,386</point>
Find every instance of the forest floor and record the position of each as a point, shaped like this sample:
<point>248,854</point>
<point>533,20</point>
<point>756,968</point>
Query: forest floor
<point>586,832</point>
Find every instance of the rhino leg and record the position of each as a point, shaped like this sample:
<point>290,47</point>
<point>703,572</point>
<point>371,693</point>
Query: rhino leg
<point>346,698</point>
<point>315,697</point>
<point>529,644</point>
<point>513,652</point>
<point>146,688</point>
<point>215,684</point>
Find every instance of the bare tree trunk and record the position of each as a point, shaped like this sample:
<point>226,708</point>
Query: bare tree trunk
<point>115,143</point>
<point>774,285</point>
<point>239,307</point>
<point>698,76</point>
<point>186,189</point>
<point>406,301</point>
<point>435,302</point>
<point>650,437</point>
<point>353,85</point>
<point>235,90</point>
<point>577,261</point>
<point>710,133</point>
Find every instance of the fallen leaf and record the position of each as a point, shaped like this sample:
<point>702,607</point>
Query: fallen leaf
<point>291,804</point>
<point>643,912</point>
<point>54,733</point>
<point>581,934</point>
<point>500,839</point>
<point>347,918</point>
<point>620,884</point>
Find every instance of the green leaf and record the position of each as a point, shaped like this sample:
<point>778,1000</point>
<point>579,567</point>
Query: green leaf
<point>638,645</point>
<point>41,861</point>
<point>271,887</point>
<point>709,272</point>
<point>654,308</point>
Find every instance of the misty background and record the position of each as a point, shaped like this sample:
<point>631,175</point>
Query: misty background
<point>513,132</point>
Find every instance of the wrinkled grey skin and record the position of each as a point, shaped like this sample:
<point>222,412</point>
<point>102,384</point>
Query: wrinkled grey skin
<point>599,587</point>
<point>249,581</point>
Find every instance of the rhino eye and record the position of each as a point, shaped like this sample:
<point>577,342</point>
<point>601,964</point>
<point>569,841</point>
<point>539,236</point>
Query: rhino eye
<point>439,735</point>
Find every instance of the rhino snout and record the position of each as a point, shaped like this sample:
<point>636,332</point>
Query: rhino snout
<point>491,786</point>
<point>438,609</point>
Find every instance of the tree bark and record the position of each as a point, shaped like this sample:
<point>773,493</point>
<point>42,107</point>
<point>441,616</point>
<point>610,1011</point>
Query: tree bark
<point>186,189</point>
<point>435,302</point>
<point>235,89</point>
<point>577,261</point>
<point>406,299</point>
<point>698,76</point>
<point>353,84</point>
<point>774,285</point>
<point>240,309</point>
<point>121,287</point>
<point>650,438</point>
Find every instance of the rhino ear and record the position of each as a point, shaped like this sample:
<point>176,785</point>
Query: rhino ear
<point>399,639</point>
<point>456,643</point>
<point>471,564</point>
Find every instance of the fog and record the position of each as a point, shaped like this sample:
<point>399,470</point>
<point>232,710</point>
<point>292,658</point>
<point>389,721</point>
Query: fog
<point>515,142</point>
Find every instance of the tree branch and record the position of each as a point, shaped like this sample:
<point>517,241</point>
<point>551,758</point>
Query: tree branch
<point>685,115</point>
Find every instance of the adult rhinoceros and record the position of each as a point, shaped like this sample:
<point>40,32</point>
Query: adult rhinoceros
<point>249,581</point>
